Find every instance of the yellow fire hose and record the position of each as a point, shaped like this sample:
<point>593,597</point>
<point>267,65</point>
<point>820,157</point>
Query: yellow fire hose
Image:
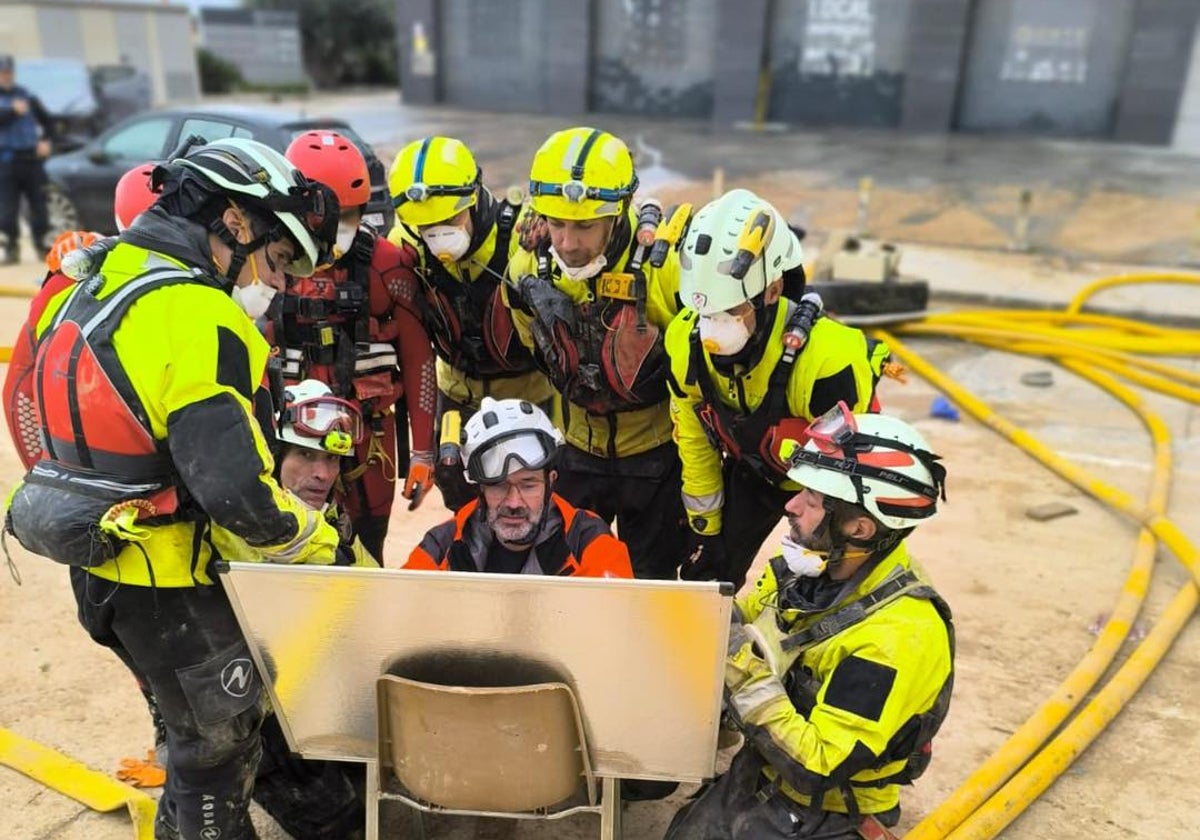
<point>67,776</point>
<point>18,291</point>
<point>963,808</point>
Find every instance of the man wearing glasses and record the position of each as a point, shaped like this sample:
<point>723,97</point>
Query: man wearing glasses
<point>517,524</point>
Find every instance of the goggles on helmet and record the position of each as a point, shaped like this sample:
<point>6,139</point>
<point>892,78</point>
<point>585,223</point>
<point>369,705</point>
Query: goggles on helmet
<point>576,191</point>
<point>335,422</point>
<point>833,430</point>
<point>522,450</point>
<point>420,191</point>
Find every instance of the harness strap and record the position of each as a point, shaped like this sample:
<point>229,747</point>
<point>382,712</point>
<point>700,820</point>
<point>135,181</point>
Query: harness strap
<point>904,582</point>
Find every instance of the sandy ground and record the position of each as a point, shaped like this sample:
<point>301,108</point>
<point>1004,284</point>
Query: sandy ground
<point>1025,595</point>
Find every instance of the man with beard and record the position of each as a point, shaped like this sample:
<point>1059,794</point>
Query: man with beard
<point>518,524</point>
<point>841,659</point>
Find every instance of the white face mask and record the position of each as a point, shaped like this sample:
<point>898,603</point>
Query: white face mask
<point>583,272</point>
<point>723,334</point>
<point>449,243</point>
<point>345,238</point>
<point>254,299</point>
<point>800,561</point>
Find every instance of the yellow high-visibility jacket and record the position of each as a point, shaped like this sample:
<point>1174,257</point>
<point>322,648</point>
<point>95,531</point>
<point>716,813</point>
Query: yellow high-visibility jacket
<point>835,364</point>
<point>196,364</point>
<point>476,268</point>
<point>614,434</point>
<point>849,695</point>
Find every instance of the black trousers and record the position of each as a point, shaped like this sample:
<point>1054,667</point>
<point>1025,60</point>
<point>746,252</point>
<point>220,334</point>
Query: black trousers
<point>311,800</point>
<point>642,493</point>
<point>731,808</point>
<point>25,176</point>
<point>186,646</point>
<point>753,507</point>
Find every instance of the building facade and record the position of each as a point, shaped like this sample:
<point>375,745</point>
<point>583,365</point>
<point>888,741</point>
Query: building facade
<point>155,38</point>
<point>1110,69</point>
<point>264,45</point>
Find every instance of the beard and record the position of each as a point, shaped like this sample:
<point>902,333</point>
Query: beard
<point>503,520</point>
<point>818,544</point>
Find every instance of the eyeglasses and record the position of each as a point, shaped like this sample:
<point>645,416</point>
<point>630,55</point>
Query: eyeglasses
<point>833,430</point>
<point>524,450</point>
<point>576,191</point>
<point>421,192</point>
<point>335,422</point>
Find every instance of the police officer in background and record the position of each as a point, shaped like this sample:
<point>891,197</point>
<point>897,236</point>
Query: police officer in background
<point>22,150</point>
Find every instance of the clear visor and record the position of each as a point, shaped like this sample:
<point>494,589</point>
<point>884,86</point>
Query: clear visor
<point>495,462</point>
<point>833,430</point>
<point>319,416</point>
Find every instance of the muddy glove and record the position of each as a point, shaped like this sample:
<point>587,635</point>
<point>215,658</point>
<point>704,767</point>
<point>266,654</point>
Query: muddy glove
<point>316,543</point>
<point>749,682</point>
<point>706,558</point>
<point>420,478</point>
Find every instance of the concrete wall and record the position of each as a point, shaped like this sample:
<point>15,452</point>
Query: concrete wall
<point>1158,61</point>
<point>1187,128</point>
<point>264,45</point>
<point>919,65</point>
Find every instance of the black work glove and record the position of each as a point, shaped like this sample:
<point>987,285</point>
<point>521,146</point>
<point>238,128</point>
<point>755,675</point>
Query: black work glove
<point>706,558</point>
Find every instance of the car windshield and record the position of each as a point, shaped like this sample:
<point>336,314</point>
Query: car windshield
<point>63,85</point>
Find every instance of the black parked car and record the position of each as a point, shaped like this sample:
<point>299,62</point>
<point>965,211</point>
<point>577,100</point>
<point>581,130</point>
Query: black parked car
<point>82,182</point>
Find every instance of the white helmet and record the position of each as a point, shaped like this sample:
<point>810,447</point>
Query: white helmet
<point>314,418</point>
<point>735,247</point>
<point>875,461</point>
<point>506,431</point>
<point>267,182</point>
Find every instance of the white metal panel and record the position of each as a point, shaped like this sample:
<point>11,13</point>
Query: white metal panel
<point>645,658</point>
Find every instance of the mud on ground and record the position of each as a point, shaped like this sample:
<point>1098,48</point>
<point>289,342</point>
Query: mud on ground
<point>1025,596</point>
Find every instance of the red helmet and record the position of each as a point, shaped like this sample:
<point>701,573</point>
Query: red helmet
<point>133,195</point>
<point>336,162</point>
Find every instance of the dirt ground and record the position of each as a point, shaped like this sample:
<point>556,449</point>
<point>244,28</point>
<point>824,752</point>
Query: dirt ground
<point>1025,595</point>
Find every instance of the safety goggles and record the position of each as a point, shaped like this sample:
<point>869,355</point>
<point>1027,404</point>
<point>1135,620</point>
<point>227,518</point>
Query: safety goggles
<point>335,422</point>
<point>314,204</point>
<point>421,192</point>
<point>576,191</point>
<point>833,430</point>
<point>523,450</point>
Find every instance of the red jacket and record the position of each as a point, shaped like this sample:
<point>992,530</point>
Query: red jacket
<point>572,543</point>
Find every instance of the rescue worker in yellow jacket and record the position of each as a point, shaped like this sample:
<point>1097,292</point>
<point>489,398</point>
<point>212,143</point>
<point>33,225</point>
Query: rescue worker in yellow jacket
<point>840,663</point>
<point>749,367</point>
<point>150,392</point>
<point>593,304</point>
<point>462,237</point>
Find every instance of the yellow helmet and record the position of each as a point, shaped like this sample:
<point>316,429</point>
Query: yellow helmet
<point>433,180</point>
<point>582,173</point>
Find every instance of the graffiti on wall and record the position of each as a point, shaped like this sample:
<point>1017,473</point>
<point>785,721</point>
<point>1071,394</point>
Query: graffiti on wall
<point>839,38</point>
<point>1046,54</point>
<point>838,62</point>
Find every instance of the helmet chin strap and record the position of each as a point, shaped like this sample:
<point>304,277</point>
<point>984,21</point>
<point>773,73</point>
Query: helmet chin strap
<point>240,251</point>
